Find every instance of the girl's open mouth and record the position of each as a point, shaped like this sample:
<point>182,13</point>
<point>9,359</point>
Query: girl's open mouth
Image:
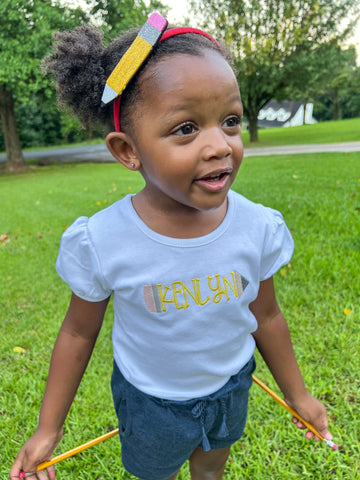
<point>214,183</point>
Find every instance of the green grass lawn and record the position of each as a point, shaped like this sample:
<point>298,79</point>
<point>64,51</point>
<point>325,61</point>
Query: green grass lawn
<point>322,132</point>
<point>319,196</point>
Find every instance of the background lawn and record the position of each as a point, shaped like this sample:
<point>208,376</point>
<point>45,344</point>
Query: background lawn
<point>320,199</point>
<point>323,132</point>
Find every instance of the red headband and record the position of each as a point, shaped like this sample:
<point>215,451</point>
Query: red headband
<point>167,34</point>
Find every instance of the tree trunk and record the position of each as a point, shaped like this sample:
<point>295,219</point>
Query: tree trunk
<point>336,115</point>
<point>253,128</point>
<point>14,156</point>
<point>304,112</point>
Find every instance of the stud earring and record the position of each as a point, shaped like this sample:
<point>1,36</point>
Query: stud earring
<point>132,165</point>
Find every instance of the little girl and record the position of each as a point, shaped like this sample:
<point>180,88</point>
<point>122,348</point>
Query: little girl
<point>188,261</point>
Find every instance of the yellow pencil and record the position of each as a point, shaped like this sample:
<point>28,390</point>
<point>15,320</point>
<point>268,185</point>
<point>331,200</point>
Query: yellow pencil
<point>97,440</point>
<point>72,452</point>
<point>294,413</point>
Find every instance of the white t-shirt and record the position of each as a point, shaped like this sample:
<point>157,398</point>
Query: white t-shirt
<point>182,322</point>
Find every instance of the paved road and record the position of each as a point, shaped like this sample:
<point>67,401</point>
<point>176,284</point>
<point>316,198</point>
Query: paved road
<point>100,153</point>
<point>311,148</point>
<point>89,153</point>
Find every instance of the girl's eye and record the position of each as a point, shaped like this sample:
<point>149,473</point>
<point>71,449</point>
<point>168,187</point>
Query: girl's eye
<point>232,122</point>
<point>186,129</point>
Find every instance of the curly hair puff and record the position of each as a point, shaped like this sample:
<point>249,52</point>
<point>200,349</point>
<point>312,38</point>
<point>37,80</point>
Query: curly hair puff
<point>81,65</point>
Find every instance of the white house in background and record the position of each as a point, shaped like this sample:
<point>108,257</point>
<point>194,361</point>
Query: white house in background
<point>285,114</point>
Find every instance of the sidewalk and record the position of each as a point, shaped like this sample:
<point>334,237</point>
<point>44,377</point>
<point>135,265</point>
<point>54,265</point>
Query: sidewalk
<point>311,148</point>
<point>99,153</point>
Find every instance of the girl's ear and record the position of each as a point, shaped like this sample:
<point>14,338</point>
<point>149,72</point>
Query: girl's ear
<point>122,148</point>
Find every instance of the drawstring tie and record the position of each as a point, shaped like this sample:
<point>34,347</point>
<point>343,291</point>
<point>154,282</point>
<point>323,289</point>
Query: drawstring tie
<point>223,432</point>
<point>199,411</point>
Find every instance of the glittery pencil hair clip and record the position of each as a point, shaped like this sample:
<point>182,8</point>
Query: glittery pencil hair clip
<point>147,38</point>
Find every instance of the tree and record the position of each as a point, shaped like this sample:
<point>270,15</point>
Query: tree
<point>340,80</point>
<point>350,99</point>
<point>118,16</point>
<point>266,36</point>
<point>325,71</point>
<point>25,38</point>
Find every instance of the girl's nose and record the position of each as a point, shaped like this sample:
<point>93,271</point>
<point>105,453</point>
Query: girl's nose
<point>215,144</point>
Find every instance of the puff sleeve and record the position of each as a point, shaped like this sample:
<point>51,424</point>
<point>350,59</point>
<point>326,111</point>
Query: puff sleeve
<point>78,263</point>
<point>278,245</point>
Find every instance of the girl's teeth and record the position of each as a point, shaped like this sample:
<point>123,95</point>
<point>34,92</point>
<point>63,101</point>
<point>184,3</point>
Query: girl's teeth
<point>213,179</point>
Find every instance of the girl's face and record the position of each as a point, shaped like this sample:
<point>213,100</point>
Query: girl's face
<point>188,137</point>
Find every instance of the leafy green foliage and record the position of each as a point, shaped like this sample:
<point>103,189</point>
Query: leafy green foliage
<point>325,71</point>
<point>340,91</point>
<point>25,38</point>
<point>350,99</point>
<point>26,27</point>
<point>265,34</point>
<point>117,17</point>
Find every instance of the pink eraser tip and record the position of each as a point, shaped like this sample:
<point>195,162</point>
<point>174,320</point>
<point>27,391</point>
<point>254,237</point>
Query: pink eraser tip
<point>331,444</point>
<point>157,21</point>
<point>22,475</point>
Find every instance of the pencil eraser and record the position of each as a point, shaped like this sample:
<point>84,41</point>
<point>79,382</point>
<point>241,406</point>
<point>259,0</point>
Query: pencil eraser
<point>331,444</point>
<point>157,21</point>
<point>152,30</point>
<point>22,475</point>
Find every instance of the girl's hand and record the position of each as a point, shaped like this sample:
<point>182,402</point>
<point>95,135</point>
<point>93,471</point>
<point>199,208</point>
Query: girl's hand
<point>39,448</point>
<point>314,412</point>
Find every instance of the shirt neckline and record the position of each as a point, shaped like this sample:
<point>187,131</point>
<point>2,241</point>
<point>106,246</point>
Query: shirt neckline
<point>183,242</point>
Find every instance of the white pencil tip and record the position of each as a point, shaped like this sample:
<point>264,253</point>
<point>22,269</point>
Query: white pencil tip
<point>108,95</point>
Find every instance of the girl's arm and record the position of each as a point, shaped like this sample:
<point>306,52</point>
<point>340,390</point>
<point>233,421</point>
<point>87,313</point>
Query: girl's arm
<point>71,353</point>
<point>274,343</point>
